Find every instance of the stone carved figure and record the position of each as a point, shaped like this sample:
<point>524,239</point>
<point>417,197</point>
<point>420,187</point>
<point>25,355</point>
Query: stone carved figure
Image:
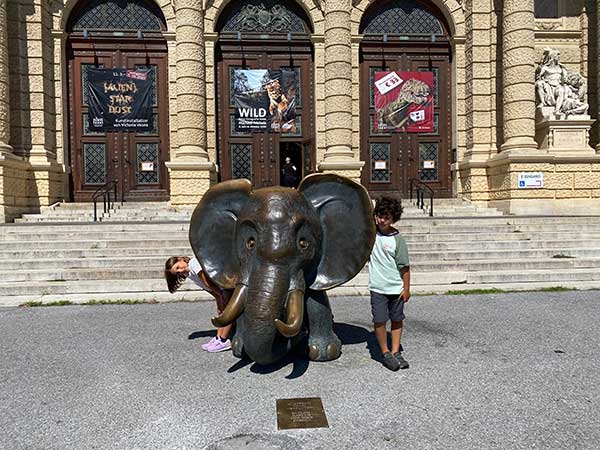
<point>281,249</point>
<point>559,90</point>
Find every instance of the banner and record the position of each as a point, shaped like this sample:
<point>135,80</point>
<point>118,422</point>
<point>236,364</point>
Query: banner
<point>404,102</point>
<point>265,100</point>
<point>119,99</point>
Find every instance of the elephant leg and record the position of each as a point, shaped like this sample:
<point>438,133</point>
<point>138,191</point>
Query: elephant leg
<point>323,344</point>
<point>237,343</point>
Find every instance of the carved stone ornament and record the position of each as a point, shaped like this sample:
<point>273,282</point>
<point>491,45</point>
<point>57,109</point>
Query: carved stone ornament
<point>548,24</point>
<point>260,18</point>
<point>560,92</point>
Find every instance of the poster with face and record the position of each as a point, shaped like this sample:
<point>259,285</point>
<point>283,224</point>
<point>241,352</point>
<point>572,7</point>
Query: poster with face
<point>119,99</point>
<point>265,100</point>
<point>404,101</point>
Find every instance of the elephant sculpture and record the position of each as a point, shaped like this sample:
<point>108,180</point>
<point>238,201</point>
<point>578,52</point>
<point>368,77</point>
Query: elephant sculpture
<point>280,249</point>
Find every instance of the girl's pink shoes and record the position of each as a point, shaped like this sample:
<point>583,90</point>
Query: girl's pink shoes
<point>215,345</point>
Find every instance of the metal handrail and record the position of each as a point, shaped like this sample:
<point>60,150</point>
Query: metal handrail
<point>420,189</point>
<point>104,192</point>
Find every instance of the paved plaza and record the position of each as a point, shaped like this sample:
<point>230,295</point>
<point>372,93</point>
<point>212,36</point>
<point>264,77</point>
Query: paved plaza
<point>503,371</point>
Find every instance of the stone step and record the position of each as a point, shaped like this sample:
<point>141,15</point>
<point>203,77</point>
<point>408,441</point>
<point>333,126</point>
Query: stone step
<point>179,231</point>
<point>340,291</point>
<point>14,246</point>
<point>404,224</point>
<point>128,267</point>
<point>451,280</point>
<point>76,253</point>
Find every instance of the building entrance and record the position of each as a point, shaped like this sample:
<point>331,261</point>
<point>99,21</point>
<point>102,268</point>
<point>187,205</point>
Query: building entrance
<point>406,36</point>
<point>274,36</point>
<point>134,160</point>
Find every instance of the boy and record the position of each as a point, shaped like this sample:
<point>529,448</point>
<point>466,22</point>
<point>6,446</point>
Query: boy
<point>389,281</point>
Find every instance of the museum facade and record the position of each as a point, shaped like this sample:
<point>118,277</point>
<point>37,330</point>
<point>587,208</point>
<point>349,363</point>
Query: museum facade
<point>494,139</point>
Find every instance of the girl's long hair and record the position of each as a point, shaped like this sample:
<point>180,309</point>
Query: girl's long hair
<point>174,280</point>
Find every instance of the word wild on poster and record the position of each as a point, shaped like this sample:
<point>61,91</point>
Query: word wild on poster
<point>265,100</point>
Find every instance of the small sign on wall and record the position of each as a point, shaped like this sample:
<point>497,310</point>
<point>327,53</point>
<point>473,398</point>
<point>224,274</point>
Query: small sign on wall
<point>429,164</point>
<point>147,166</point>
<point>531,180</point>
<point>380,165</point>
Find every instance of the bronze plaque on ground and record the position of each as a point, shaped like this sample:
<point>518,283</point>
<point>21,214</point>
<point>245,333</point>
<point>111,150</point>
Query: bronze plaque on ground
<point>300,413</point>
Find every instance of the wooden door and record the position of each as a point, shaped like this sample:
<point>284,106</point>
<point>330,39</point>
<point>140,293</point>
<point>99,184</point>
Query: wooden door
<point>97,158</point>
<point>394,158</point>
<point>259,156</point>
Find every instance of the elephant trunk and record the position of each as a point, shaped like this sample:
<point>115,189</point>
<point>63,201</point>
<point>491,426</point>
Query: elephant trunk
<point>268,290</point>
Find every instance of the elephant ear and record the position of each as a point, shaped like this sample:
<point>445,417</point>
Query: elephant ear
<point>346,216</point>
<point>212,230</point>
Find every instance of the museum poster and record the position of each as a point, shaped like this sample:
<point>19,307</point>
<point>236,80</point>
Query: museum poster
<point>265,100</point>
<point>403,101</point>
<point>119,99</point>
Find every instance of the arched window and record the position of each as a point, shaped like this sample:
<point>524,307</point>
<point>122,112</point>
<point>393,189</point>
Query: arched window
<point>404,17</point>
<point>117,15</point>
<point>263,16</point>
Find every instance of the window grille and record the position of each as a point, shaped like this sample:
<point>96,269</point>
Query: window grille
<point>403,17</point>
<point>380,152</point>
<point>117,15</point>
<point>241,160</point>
<point>147,153</point>
<point>94,163</point>
<point>428,152</point>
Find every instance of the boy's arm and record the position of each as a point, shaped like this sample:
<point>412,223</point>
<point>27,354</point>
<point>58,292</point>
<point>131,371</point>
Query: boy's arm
<point>405,272</point>
<point>403,265</point>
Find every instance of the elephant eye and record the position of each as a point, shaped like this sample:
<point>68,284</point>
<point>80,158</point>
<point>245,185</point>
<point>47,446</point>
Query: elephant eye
<point>250,243</point>
<point>303,243</point>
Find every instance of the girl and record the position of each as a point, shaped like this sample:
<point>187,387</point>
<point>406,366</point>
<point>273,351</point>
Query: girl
<point>177,269</point>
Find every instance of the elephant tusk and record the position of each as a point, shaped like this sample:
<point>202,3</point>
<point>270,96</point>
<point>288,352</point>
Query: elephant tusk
<point>233,309</point>
<point>295,315</point>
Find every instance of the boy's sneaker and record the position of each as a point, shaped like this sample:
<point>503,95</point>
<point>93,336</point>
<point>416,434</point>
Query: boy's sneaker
<point>208,344</point>
<point>390,362</point>
<point>219,346</point>
<point>402,363</point>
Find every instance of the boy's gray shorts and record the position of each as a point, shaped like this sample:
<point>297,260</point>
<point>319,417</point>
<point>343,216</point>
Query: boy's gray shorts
<point>386,307</point>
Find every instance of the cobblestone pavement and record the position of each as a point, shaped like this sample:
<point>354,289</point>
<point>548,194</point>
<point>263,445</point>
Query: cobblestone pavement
<point>502,371</point>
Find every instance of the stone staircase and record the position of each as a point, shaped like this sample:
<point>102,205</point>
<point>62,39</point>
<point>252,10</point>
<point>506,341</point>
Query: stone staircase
<point>162,211</point>
<point>121,258</point>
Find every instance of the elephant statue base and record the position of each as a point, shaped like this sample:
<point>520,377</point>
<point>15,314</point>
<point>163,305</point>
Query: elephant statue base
<point>280,249</point>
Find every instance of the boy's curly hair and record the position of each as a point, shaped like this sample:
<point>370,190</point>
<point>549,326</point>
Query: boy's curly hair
<point>387,205</point>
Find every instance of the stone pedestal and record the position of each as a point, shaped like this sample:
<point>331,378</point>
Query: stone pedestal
<point>569,136</point>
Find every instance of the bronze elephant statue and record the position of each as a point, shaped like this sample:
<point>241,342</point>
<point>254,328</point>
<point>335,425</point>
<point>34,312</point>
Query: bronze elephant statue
<point>281,249</point>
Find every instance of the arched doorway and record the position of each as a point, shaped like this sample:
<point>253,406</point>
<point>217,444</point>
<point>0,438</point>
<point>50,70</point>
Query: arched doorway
<point>113,34</point>
<point>406,36</point>
<point>271,35</point>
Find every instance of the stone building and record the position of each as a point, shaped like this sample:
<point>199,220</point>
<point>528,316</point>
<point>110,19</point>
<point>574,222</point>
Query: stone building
<point>484,55</point>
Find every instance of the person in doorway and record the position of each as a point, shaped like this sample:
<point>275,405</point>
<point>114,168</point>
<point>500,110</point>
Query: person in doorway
<point>289,174</point>
<point>389,281</point>
<point>180,268</point>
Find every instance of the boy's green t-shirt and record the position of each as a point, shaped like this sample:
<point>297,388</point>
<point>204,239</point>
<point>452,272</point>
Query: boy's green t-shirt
<point>389,255</point>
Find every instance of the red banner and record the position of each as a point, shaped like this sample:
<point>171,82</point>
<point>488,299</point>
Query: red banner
<point>404,102</point>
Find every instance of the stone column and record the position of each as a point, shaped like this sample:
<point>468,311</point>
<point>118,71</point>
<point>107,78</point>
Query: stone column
<point>338,88</point>
<point>191,84</point>
<point>4,83</point>
<point>191,172</point>
<point>518,75</point>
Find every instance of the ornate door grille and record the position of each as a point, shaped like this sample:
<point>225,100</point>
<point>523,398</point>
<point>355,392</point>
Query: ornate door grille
<point>241,160</point>
<point>118,15</point>
<point>405,17</point>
